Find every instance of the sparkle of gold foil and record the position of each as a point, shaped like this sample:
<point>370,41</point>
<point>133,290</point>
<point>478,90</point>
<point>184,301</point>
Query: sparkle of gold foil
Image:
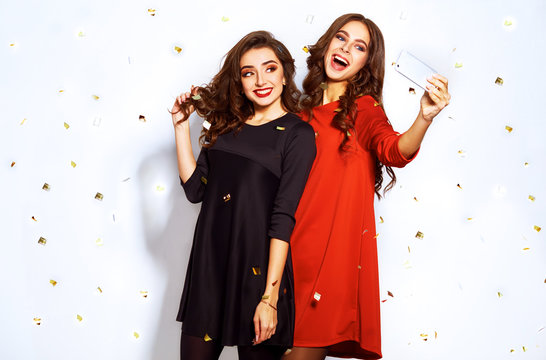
<point>99,290</point>
<point>151,12</point>
<point>376,236</point>
<point>177,49</point>
<point>95,97</point>
<point>12,163</point>
<point>461,153</point>
<point>46,187</point>
<point>227,197</point>
<point>537,228</point>
<point>412,91</point>
<point>79,317</point>
<point>196,97</point>
<point>99,242</point>
<point>419,235</point>
<point>142,118</point>
<point>409,249</point>
<point>381,221</point>
<point>458,65</point>
<point>508,22</point>
<point>424,337</point>
<point>317,296</point>
<point>256,270</point>
<point>207,337</point>
<point>66,126</point>
<point>12,44</point>
<point>144,293</point>
<point>204,180</point>
<point>323,85</point>
<point>337,110</point>
<point>532,198</point>
<point>280,128</point>
<point>390,294</point>
<point>275,282</point>
<point>376,104</point>
<point>459,186</point>
<point>81,34</point>
<point>42,241</point>
<point>526,164</point>
<point>37,320</point>
<point>509,128</point>
<point>99,196</point>
<point>469,219</point>
<point>436,334</point>
<point>159,188</point>
<point>136,335</point>
<point>53,282</point>
<point>524,348</point>
<point>225,19</point>
<point>512,350</point>
<point>60,92</point>
<point>499,294</point>
<point>73,164</point>
<point>306,49</point>
<point>24,121</point>
<point>265,297</point>
<point>415,198</point>
<point>316,134</point>
<point>33,218</point>
<point>526,248</point>
<point>499,81</point>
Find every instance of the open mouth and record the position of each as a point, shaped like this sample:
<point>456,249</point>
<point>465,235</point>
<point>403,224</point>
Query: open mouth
<point>339,63</point>
<point>263,92</point>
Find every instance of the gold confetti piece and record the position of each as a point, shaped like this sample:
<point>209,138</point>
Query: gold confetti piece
<point>376,236</point>
<point>207,337</point>
<point>376,104</point>
<point>337,110</point>
<point>458,65</point>
<point>204,180</point>
<point>66,126</point>
<point>265,297</point>
<point>317,296</point>
<point>144,293</point>
<point>95,97</point>
<point>499,294</point>
<point>309,19</point>
<point>390,294</point>
<point>419,235</point>
<point>359,267</point>
<point>12,163</point>
<point>79,317</point>
<point>206,125</point>
<point>159,188</point>
<point>99,290</point>
<point>24,121</point>
<point>227,197</point>
<point>225,19</point>
<point>37,320</point>
<point>436,334</point>
<point>525,164</point>
<point>136,335</point>
<point>256,270</point>
<point>142,118</point>
<point>305,49</point>
<point>33,218</point>
<point>461,153</point>
<point>99,242</point>
<point>61,91</point>
<point>177,49</point>
<point>281,128</point>
<point>537,228</point>
<point>53,282</point>
<point>412,91</point>
<point>459,186</point>
<point>509,128</point>
<point>469,219</point>
<point>407,264</point>
<point>316,134</point>
<point>81,34</point>
<point>508,22</point>
<point>46,187</point>
<point>526,248</point>
<point>99,196</point>
<point>499,81</point>
<point>42,241</point>
<point>323,85</point>
<point>409,249</point>
<point>415,198</point>
<point>532,198</point>
<point>381,221</point>
<point>424,336</point>
<point>12,44</point>
<point>151,12</point>
<point>524,348</point>
<point>512,350</point>
<point>275,282</point>
<point>73,164</point>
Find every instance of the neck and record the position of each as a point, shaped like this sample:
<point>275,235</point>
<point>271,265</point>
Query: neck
<point>334,91</point>
<point>265,115</point>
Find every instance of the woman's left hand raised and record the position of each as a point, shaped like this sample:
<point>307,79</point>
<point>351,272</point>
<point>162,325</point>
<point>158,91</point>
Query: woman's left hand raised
<point>265,322</point>
<point>435,98</point>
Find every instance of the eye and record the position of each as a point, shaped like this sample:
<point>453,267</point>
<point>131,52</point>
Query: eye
<point>246,74</point>
<point>271,69</point>
<point>340,37</point>
<point>360,48</point>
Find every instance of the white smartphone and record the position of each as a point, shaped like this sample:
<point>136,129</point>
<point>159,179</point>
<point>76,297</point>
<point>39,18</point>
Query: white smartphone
<point>414,69</point>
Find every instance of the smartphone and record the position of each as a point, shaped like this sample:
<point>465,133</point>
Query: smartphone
<point>414,69</point>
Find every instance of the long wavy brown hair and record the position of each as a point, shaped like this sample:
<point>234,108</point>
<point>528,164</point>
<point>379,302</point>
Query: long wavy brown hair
<point>222,102</point>
<point>368,81</point>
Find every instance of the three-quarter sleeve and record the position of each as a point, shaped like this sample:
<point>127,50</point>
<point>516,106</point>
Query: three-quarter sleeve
<point>194,187</point>
<point>375,133</point>
<point>298,157</point>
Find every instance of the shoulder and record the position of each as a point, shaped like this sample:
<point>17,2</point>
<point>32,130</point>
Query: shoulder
<point>367,103</point>
<point>295,125</point>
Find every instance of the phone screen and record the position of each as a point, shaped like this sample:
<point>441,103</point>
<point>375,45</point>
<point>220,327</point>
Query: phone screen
<point>414,69</point>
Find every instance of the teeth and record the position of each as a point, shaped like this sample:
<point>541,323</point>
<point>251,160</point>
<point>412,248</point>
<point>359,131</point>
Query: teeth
<point>337,58</point>
<point>263,92</point>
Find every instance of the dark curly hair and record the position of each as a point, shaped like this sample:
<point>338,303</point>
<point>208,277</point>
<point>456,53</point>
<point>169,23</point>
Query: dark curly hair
<point>222,102</point>
<point>368,81</point>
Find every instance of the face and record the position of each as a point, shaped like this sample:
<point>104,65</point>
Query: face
<point>262,78</point>
<point>347,52</point>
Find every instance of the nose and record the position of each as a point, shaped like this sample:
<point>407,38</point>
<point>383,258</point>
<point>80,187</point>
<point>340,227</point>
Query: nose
<point>345,47</point>
<point>259,79</point>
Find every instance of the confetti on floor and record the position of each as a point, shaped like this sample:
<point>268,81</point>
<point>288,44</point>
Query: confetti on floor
<point>256,270</point>
<point>12,163</point>
<point>532,198</point>
<point>37,320</point>
<point>136,335</point>
<point>144,294</point>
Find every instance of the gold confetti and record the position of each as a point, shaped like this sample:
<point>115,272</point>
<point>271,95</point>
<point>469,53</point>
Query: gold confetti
<point>12,163</point>
<point>79,317</point>
<point>99,242</point>
<point>409,249</point>
<point>376,236</point>
<point>142,118</point>
<point>256,270</point>
<point>99,290</point>
<point>337,110</point>
<point>459,186</point>
<point>317,296</point>
<point>60,92</point>
<point>24,121</point>
<point>526,164</point>
<point>11,44</point>
<point>419,235</point>
<point>177,49</point>
<point>532,198</point>
<point>144,293</point>
<point>323,85</point>
<point>46,187</point>
<point>526,248</point>
<point>524,348</point>
<point>95,97</point>
<point>508,22</point>
<point>42,241</point>
<point>81,34</point>
<point>151,12</point>
<point>159,188</point>
<point>275,282</point>
<point>37,320</point>
<point>424,336</point>
<point>53,282</point>
<point>412,91</point>
<point>207,337</point>
<point>206,124</point>
<point>469,219</point>
<point>204,180</point>
<point>499,294</point>
<point>305,49</point>
<point>227,197</point>
<point>499,81</point>
<point>436,334</point>
<point>458,65</point>
<point>537,228</point>
<point>136,335</point>
<point>316,134</point>
<point>359,267</point>
<point>509,128</point>
<point>225,19</point>
<point>512,350</point>
<point>281,128</point>
<point>415,198</point>
<point>66,126</point>
<point>33,218</point>
<point>390,294</point>
<point>73,164</point>
<point>99,196</point>
<point>376,104</point>
<point>265,297</point>
<point>461,153</point>
<point>381,221</point>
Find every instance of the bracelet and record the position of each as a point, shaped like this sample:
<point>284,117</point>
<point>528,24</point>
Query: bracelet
<point>274,308</point>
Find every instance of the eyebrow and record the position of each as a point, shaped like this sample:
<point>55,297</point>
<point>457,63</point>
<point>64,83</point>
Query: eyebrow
<point>264,63</point>
<point>347,34</point>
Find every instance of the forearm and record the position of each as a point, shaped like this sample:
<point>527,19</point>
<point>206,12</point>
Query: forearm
<point>184,151</point>
<point>278,250</point>
<point>410,141</point>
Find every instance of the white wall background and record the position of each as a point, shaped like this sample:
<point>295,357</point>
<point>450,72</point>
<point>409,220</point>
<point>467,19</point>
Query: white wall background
<point>473,287</point>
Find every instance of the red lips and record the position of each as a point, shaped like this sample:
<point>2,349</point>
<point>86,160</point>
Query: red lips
<point>261,93</point>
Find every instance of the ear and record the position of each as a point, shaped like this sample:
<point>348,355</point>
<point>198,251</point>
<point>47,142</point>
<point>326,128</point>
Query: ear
<point>283,80</point>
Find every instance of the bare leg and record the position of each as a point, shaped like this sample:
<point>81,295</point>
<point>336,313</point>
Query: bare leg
<point>306,353</point>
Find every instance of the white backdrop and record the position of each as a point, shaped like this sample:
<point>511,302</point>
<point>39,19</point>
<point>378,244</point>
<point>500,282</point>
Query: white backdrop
<point>77,75</point>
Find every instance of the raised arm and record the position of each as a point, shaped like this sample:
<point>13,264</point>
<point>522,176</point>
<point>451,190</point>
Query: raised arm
<point>184,152</point>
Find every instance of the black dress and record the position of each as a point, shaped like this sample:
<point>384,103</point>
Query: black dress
<point>250,183</point>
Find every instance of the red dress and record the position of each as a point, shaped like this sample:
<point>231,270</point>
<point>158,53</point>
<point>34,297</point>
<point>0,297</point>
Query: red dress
<point>334,248</point>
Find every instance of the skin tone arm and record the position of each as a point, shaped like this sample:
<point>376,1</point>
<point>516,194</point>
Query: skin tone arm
<point>184,152</point>
<point>433,101</point>
<point>265,316</point>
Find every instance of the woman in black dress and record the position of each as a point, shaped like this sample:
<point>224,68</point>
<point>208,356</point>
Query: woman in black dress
<point>255,159</point>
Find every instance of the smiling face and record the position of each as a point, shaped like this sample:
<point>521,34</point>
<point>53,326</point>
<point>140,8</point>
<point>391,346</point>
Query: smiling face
<point>262,78</point>
<point>347,52</point>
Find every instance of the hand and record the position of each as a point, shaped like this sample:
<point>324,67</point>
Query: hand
<point>435,98</point>
<point>265,322</point>
<point>177,113</point>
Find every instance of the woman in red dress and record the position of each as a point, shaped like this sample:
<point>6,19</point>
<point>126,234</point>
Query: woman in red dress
<point>333,244</point>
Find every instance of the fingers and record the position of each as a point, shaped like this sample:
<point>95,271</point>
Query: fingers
<point>256,329</point>
<point>265,324</point>
<point>437,90</point>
